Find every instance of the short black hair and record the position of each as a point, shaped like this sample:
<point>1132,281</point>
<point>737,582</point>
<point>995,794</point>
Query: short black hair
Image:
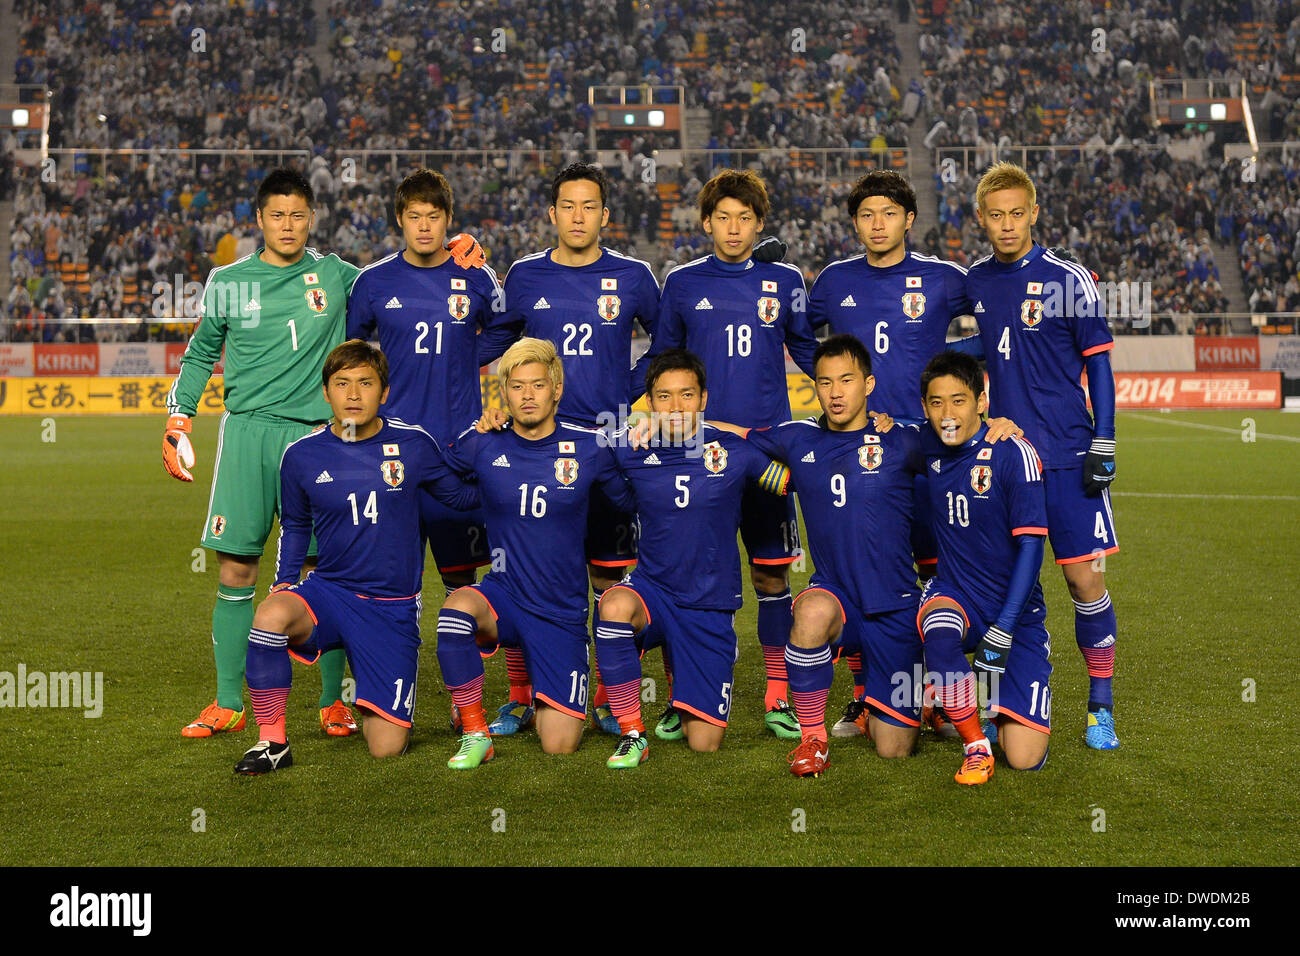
<point>883,182</point>
<point>964,368</point>
<point>844,344</point>
<point>672,360</point>
<point>355,353</point>
<point>284,182</point>
<point>576,171</point>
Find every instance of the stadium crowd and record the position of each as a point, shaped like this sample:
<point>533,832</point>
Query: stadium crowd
<point>130,74</point>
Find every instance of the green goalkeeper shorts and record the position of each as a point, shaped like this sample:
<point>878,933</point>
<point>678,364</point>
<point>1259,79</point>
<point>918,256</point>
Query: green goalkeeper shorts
<point>246,481</point>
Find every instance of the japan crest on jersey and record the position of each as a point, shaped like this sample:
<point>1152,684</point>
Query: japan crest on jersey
<point>566,470</point>
<point>218,525</point>
<point>458,306</point>
<point>1031,312</point>
<point>607,307</point>
<point>870,456</point>
<point>393,472</point>
<point>914,304</point>
<point>316,299</point>
<point>715,457</point>
<point>768,309</point>
<point>981,479</point>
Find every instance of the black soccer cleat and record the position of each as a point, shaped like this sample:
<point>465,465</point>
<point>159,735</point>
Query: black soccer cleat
<point>264,758</point>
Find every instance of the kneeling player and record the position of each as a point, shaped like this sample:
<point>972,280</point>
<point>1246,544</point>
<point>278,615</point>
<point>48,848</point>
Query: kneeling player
<point>358,483</point>
<point>854,486</point>
<point>689,484</point>
<point>990,518</point>
<point>536,479</point>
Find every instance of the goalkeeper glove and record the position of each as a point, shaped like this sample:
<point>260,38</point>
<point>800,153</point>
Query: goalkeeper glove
<point>992,651</point>
<point>1063,252</point>
<point>466,251</point>
<point>178,453</point>
<point>770,249</point>
<point>1099,466</point>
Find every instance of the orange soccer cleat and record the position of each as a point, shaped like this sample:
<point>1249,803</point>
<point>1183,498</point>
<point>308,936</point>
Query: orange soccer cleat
<point>977,765</point>
<point>337,720</point>
<point>214,720</point>
<point>810,758</point>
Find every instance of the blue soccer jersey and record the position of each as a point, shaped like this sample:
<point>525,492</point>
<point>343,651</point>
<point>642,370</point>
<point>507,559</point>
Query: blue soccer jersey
<point>855,491</point>
<point>363,500</point>
<point>1039,317</point>
<point>688,509</point>
<point>983,496</point>
<point>428,323</point>
<point>535,497</point>
<point>587,312</point>
<point>739,318</point>
<point>901,313</point>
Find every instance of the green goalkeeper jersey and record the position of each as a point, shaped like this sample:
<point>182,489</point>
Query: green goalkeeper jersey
<point>277,325</point>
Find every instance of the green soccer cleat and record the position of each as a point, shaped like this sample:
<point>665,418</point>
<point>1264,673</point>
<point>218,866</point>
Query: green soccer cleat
<point>782,722</point>
<point>474,750</point>
<point>670,725</point>
<point>632,751</point>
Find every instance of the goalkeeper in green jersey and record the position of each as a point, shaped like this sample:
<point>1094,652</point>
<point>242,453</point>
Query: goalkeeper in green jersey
<point>277,313</point>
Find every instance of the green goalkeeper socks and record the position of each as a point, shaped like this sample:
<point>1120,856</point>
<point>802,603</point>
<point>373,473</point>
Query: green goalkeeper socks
<point>231,619</point>
<point>332,665</point>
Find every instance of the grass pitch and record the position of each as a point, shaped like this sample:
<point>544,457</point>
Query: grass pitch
<point>100,576</point>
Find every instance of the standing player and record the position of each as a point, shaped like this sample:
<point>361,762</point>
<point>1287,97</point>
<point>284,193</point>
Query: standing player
<point>584,298</point>
<point>358,483</point>
<point>689,483</point>
<point>428,309</point>
<point>1041,324</point>
<point>899,304</point>
<point>991,519</point>
<point>535,480</point>
<point>277,313</point>
<point>739,315</point>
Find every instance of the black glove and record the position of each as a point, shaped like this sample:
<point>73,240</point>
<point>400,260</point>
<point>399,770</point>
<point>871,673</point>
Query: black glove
<point>770,249</point>
<point>1063,252</point>
<point>1099,466</point>
<point>992,651</point>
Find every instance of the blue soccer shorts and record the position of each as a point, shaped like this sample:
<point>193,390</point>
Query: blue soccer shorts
<point>891,654</point>
<point>458,539</point>
<point>381,637</point>
<point>769,527</point>
<point>1022,692</point>
<point>1080,528</point>
<point>611,534</point>
<point>699,644</point>
<point>555,652</point>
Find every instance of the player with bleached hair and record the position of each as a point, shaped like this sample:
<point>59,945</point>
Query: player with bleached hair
<point>536,479</point>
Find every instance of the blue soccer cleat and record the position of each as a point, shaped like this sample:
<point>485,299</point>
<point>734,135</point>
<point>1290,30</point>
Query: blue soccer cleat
<point>990,728</point>
<point>1100,734</point>
<point>605,721</point>
<point>512,717</point>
